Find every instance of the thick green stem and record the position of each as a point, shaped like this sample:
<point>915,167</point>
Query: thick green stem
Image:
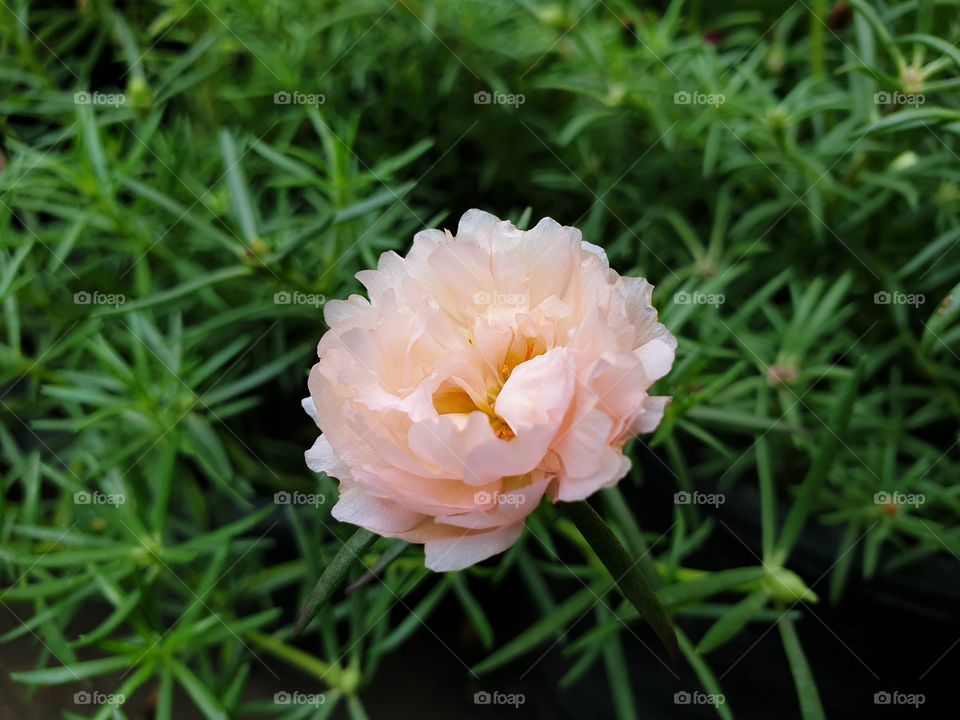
<point>626,571</point>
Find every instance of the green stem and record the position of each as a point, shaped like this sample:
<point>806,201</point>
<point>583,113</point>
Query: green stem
<point>333,675</point>
<point>617,505</point>
<point>768,498</point>
<point>817,15</point>
<point>625,571</point>
<point>830,439</point>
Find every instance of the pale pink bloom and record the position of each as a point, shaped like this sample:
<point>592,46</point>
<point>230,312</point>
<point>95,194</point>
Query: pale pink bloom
<point>485,371</point>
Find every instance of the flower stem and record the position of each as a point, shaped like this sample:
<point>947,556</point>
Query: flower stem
<point>625,571</point>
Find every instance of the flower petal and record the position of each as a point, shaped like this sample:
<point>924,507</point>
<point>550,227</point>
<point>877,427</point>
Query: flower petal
<point>448,553</point>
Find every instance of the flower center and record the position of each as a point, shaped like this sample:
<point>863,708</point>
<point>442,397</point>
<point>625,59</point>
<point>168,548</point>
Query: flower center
<point>456,400</point>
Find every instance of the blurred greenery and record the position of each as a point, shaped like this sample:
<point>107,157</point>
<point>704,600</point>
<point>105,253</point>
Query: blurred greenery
<point>183,184</point>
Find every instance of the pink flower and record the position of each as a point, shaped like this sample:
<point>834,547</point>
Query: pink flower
<point>485,371</point>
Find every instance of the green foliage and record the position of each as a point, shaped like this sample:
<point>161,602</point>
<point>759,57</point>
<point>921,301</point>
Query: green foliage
<point>165,245</point>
